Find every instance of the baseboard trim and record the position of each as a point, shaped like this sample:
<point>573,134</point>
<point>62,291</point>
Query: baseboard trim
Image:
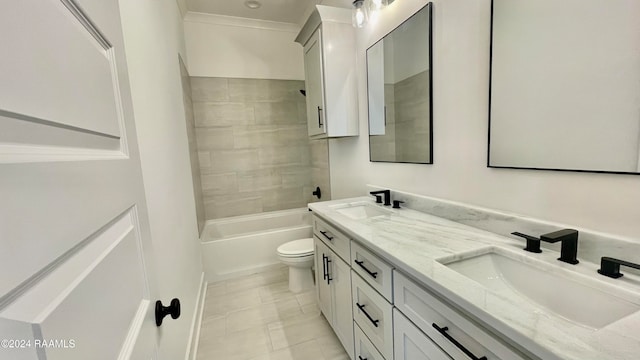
<point>196,322</point>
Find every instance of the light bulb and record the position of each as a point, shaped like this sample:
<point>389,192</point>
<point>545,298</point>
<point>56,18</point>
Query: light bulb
<point>359,15</point>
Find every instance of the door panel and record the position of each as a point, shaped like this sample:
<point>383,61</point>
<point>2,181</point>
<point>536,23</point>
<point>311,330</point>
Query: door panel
<point>323,288</point>
<point>342,315</point>
<point>73,218</point>
<point>41,60</point>
<point>314,85</point>
<point>411,344</point>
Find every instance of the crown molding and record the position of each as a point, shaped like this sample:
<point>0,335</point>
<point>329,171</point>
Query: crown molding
<point>197,17</point>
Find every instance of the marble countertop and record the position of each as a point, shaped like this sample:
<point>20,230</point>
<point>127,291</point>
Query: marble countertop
<point>416,243</point>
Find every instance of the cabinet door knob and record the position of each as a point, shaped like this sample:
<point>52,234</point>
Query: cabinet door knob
<point>161,311</point>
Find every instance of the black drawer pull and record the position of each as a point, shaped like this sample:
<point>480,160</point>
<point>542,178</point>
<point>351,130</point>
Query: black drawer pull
<point>375,322</point>
<point>324,233</point>
<point>324,267</point>
<point>374,274</point>
<point>361,358</point>
<point>455,342</point>
<point>319,117</point>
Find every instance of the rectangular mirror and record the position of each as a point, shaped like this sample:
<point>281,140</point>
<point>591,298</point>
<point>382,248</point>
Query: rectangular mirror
<point>399,87</point>
<point>565,85</point>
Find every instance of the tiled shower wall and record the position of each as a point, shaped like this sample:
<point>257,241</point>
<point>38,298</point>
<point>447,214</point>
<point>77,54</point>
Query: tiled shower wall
<point>253,149</point>
<point>411,118</point>
<point>193,149</point>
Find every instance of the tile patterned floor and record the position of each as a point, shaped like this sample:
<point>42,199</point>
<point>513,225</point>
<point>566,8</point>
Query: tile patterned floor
<point>256,317</point>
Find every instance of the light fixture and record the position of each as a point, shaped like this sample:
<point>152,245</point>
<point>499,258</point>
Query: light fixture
<point>375,5</point>
<point>252,4</point>
<point>359,15</point>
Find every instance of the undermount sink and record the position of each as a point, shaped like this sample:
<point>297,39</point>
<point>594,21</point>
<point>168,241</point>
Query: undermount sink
<point>360,210</point>
<point>542,287</point>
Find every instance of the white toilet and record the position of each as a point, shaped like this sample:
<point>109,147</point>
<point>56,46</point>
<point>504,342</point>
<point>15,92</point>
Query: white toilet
<point>298,255</point>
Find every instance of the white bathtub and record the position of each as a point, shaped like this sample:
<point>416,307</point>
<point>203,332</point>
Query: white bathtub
<point>247,244</point>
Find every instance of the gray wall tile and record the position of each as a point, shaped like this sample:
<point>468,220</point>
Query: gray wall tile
<point>223,161</point>
<point>214,138</point>
<point>284,112</point>
<point>209,89</point>
<point>253,149</point>
<point>211,114</point>
<point>219,184</point>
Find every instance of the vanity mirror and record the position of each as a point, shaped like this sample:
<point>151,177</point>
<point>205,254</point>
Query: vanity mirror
<point>565,85</point>
<point>399,88</point>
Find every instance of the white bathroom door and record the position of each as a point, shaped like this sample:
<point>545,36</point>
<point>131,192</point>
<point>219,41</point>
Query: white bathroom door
<point>75,248</point>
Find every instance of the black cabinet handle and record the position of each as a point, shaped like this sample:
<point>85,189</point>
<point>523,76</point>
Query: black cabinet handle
<point>374,274</point>
<point>324,233</point>
<point>361,358</point>
<point>328,273</point>
<point>319,117</point>
<point>443,332</point>
<point>324,267</point>
<point>161,311</point>
<point>385,116</point>
<point>374,322</point>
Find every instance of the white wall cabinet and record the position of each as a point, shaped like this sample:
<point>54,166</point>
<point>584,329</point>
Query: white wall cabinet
<point>330,73</point>
<point>333,279</point>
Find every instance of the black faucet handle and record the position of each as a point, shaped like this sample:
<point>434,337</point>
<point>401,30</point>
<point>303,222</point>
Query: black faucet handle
<point>378,199</point>
<point>396,204</point>
<point>533,243</point>
<point>611,267</point>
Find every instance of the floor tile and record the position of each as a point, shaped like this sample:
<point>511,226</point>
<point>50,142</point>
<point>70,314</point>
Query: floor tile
<point>240,345</point>
<point>262,314</point>
<point>275,292</point>
<point>256,317</point>
<point>222,305</point>
<point>309,350</point>
<point>297,330</point>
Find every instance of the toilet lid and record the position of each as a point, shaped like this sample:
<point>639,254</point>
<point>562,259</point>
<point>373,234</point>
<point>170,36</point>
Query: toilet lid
<point>300,247</point>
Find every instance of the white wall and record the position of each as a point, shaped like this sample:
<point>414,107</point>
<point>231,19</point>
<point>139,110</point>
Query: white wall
<point>224,46</point>
<point>602,202</point>
<point>153,38</point>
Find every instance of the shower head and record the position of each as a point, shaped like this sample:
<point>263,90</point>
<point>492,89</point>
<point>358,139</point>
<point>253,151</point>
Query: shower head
<point>303,92</point>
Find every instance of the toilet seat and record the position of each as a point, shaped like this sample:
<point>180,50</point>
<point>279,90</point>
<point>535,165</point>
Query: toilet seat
<point>296,248</point>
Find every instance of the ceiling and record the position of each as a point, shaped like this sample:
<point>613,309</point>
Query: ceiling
<point>287,11</point>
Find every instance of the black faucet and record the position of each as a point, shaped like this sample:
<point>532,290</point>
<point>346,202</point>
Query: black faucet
<point>611,267</point>
<point>387,196</point>
<point>568,250</point>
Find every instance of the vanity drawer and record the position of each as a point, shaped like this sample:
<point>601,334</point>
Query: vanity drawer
<point>373,314</point>
<point>337,241</point>
<point>411,344</point>
<point>372,269</point>
<point>364,347</point>
<point>445,325</point>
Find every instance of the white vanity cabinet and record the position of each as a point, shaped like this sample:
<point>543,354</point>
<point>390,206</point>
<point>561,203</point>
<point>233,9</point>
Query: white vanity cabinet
<point>330,73</point>
<point>333,284</point>
<point>452,332</point>
<point>380,313</point>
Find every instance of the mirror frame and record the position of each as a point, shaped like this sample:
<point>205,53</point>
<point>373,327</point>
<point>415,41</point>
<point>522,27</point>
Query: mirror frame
<point>489,125</point>
<point>429,7</point>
